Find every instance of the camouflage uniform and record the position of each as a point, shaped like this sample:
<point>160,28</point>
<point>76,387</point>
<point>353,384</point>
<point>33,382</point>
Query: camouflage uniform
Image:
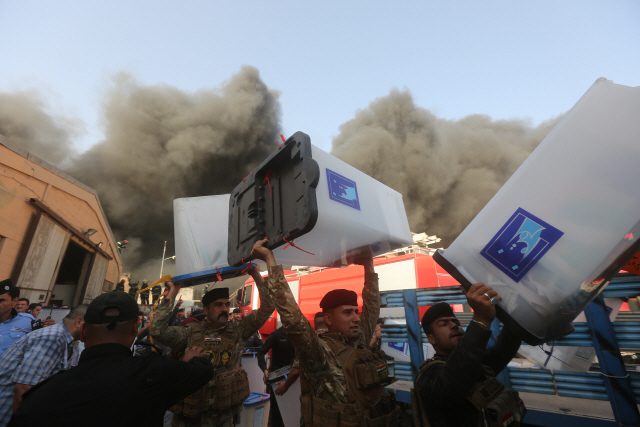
<point>179,338</point>
<point>319,364</point>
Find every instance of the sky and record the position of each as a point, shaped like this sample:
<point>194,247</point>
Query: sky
<point>505,59</point>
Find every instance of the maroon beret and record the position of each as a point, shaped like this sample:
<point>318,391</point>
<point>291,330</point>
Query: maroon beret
<point>338,297</point>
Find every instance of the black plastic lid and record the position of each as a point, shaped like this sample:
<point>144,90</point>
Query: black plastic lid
<point>277,200</point>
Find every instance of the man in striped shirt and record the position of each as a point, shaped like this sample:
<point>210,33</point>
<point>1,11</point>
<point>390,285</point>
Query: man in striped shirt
<point>36,357</point>
<point>13,325</point>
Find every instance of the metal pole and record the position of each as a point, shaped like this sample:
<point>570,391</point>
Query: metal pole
<point>495,331</point>
<point>414,328</point>
<point>616,377</point>
<point>163,253</point>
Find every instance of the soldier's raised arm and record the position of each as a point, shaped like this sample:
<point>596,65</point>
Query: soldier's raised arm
<point>254,320</point>
<point>370,301</point>
<point>309,351</point>
<point>175,337</point>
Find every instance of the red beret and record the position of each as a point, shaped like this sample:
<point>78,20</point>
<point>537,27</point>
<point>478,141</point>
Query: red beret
<point>338,297</point>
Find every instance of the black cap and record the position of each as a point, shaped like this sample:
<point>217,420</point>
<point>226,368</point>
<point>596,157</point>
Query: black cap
<point>318,314</point>
<point>338,297</point>
<point>237,311</point>
<point>436,311</point>
<point>6,286</point>
<point>215,294</point>
<point>120,300</point>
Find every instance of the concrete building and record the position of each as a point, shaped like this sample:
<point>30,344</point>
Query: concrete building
<point>55,241</point>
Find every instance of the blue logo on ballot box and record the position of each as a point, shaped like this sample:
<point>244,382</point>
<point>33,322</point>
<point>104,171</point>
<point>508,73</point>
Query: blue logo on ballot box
<point>342,190</point>
<point>520,244</point>
<point>396,346</point>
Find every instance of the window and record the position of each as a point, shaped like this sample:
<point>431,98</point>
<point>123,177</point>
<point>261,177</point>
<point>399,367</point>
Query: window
<point>246,298</point>
<point>108,286</point>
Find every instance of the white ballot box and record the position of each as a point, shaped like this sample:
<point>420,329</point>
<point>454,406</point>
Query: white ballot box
<point>254,373</point>
<point>328,208</point>
<point>201,227</point>
<point>255,411</point>
<point>550,240</point>
<point>288,403</point>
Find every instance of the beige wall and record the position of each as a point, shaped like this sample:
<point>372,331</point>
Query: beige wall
<point>22,177</point>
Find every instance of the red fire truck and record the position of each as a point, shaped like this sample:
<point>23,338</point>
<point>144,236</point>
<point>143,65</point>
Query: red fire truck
<point>410,271</point>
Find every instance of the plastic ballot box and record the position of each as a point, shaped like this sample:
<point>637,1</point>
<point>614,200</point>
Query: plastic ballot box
<point>255,411</point>
<point>566,221</point>
<point>254,373</point>
<point>201,232</point>
<point>331,211</point>
<point>568,358</point>
<point>288,403</point>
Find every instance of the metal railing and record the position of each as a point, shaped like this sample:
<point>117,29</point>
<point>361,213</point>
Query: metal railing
<point>627,332</point>
<point>613,383</point>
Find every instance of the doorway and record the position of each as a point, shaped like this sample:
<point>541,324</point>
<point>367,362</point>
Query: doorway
<point>72,275</point>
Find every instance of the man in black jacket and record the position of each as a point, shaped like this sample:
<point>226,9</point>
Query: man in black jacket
<point>105,388</point>
<point>449,384</point>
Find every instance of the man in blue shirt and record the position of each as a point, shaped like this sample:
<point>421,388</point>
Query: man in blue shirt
<point>13,325</point>
<point>22,305</point>
<point>36,357</point>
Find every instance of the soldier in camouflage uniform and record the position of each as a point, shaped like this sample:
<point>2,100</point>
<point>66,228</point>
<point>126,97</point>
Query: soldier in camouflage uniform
<point>319,323</point>
<point>341,378</point>
<point>223,341</point>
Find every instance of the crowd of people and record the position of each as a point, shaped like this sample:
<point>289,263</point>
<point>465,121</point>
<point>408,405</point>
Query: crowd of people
<point>135,286</point>
<point>190,363</point>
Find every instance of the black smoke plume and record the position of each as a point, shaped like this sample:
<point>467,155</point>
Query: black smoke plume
<point>160,143</point>
<point>446,170</point>
<point>163,143</point>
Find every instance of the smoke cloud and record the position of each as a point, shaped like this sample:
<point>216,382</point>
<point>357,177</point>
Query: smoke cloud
<point>25,122</point>
<point>446,170</point>
<point>162,143</point>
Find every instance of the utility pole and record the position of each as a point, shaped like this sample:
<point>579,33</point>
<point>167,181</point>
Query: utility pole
<point>163,254</point>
